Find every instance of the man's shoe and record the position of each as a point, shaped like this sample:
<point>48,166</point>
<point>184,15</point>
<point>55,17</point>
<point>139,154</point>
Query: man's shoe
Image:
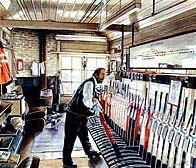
<point>94,154</point>
<point>73,165</point>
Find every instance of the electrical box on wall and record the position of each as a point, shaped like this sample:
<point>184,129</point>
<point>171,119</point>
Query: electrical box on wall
<point>117,49</point>
<point>114,65</point>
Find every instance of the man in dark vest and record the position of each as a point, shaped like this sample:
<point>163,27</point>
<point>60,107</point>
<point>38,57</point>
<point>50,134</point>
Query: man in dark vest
<point>79,108</point>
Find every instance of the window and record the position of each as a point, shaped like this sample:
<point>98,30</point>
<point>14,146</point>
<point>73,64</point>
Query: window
<point>73,72</point>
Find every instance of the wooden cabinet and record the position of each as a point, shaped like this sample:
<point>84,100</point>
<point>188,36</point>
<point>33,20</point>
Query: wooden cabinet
<point>18,107</point>
<point>5,110</point>
<point>10,139</point>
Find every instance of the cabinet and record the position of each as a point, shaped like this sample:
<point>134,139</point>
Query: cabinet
<point>10,139</point>
<point>12,161</point>
<point>5,110</point>
<point>18,107</point>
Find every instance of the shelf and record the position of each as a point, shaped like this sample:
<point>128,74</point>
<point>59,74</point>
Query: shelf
<point>5,107</point>
<point>9,141</point>
<point>5,110</point>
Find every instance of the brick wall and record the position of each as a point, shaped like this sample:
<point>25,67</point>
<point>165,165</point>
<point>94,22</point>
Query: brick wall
<point>26,47</point>
<point>51,57</point>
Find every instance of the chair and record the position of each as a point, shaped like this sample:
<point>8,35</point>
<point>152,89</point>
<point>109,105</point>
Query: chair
<point>29,162</point>
<point>35,120</point>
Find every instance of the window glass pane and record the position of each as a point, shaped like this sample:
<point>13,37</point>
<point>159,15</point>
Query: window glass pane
<point>66,75</point>
<point>75,87</point>
<point>91,64</point>
<point>101,63</point>
<point>89,74</point>
<point>76,63</point>
<point>66,88</point>
<point>73,73</point>
<point>66,62</point>
<point>76,75</point>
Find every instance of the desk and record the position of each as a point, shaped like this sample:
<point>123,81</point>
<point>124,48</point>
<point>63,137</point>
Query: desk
<point>10,142</point>
<point>18,107</point>
<point>12,161</point>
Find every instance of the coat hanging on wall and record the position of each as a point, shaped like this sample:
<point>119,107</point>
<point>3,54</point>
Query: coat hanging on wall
<point>5,73</point>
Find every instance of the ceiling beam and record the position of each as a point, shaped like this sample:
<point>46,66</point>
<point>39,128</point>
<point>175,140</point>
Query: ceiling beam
<point>118,27</point>
<point>124,12</point>
<point>49,25</point>
<point>134,18</point>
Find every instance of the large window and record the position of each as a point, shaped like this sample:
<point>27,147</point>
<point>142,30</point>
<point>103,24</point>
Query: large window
<point>179,52</point>
<point>73,72</point>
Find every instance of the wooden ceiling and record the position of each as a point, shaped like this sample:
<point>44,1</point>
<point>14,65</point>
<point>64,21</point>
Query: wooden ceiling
<point>64,11</point>
<point>90,15</point>
<point>85,11</point>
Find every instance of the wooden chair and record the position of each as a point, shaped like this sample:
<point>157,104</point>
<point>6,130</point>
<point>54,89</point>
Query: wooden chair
<point>29,162</point>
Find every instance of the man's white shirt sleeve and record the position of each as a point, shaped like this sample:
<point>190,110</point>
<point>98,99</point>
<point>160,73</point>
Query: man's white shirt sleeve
<point>88,94</point>
<point>88,99</point>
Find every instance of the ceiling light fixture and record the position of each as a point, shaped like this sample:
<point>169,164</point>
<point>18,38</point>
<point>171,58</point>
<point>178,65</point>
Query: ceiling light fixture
<point>81,38</point>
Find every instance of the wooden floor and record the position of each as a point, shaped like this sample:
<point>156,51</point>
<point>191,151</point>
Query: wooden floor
<point>57,163</point>
<point>82,162</point>
<point>51,159</point>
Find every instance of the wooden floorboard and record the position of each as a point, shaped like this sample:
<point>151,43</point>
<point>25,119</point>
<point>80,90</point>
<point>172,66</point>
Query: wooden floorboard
<point>57,163</point>
<point>52,159</point>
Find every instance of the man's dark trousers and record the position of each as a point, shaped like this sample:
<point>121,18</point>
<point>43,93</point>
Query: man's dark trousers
<point>75,125</point>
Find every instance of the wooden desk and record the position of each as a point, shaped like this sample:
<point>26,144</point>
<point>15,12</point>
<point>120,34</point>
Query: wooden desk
<point>12,162</point>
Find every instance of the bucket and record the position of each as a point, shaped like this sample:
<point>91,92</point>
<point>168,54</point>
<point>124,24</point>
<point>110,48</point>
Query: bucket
<point>47,101</point>
<point>46,93</point>
<point>46,96</point>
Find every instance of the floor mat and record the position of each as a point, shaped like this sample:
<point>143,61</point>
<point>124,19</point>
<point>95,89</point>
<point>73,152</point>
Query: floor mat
<point>51,140</point>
